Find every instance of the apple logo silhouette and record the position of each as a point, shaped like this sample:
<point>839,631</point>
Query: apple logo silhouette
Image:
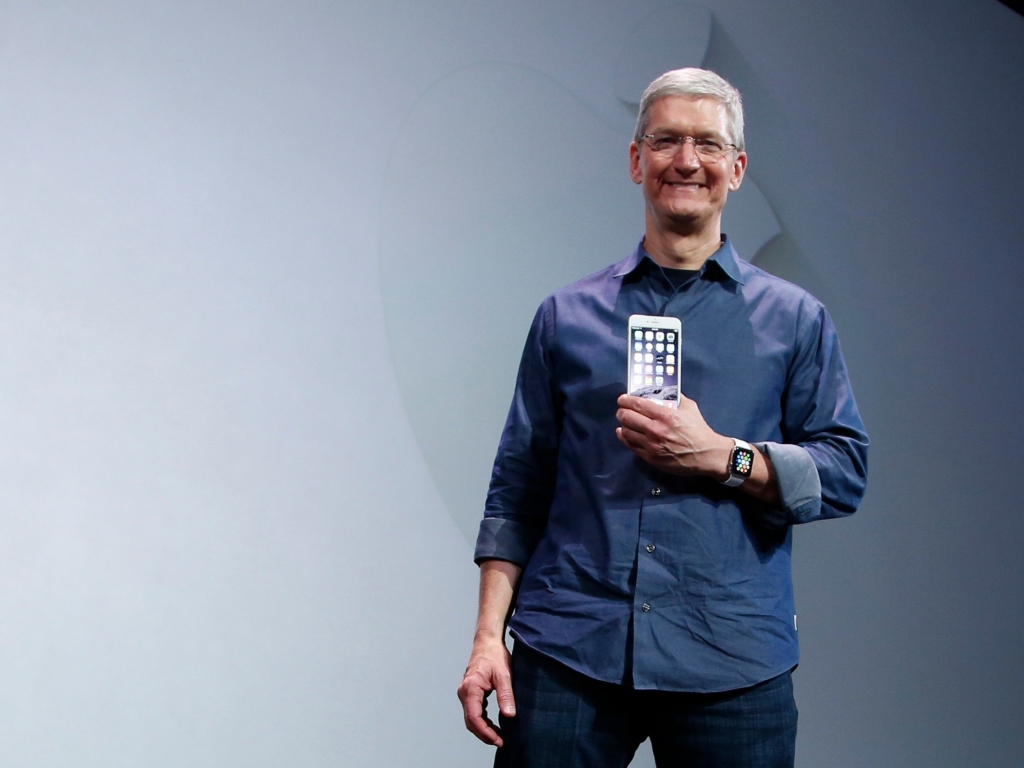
<point>501,187</point>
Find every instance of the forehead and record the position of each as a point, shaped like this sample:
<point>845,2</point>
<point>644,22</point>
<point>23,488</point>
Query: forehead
<point>687,115</point>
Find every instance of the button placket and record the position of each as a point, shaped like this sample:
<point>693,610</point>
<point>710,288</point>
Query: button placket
<point>649,547</point>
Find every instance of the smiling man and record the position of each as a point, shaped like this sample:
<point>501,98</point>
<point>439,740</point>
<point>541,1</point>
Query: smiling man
<point>640,554</point>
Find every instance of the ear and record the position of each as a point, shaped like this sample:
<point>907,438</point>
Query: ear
<point>636,173</point>
<point>739,168</point>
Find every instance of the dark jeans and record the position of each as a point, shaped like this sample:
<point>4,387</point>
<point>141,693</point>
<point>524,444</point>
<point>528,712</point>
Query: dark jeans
<point>567,720</point>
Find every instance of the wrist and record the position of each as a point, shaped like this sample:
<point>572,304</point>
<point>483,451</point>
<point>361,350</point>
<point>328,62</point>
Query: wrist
<point>488,635</point>
<point>718,458</point>
<point>740,464</point>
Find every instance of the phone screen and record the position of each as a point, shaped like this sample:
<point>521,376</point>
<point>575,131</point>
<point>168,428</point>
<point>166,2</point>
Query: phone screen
<point>653,363</point>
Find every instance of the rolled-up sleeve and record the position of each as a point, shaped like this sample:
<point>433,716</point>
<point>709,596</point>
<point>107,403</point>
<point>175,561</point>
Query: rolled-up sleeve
<point>797,477</point>
<point>821,465</point>
<point>523,478</point>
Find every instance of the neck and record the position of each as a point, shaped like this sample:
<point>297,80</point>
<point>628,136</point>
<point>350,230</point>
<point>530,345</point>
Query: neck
<point>682,250</point>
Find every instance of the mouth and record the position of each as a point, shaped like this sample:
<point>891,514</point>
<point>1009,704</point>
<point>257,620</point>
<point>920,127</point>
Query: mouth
<point>684,184</point>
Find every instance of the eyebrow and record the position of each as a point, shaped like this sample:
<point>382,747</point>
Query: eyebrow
<point>695,134</point>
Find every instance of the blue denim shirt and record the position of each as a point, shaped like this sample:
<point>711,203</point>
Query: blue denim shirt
<point>636,576</point>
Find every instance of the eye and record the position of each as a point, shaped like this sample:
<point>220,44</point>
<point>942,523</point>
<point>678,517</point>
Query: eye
<point>663,143</point>
<point>708,144</point>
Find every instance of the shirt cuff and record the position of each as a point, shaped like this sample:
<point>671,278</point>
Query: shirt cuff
<point>502,539</point>
<point>799,484</point>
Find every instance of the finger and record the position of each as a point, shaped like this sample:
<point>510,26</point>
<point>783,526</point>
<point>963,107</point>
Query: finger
<point>635,441</point>
<point>643,415</point>
<point>628,437</point>
<point>633,420</point>
<point>644,407</point>
<point>476,719</point>
<point>651,431</point>
<point>631,402</point>
<point>503,691</point>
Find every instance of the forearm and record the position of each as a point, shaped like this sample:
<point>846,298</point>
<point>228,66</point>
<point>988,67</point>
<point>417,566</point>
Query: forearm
<point>762,484</point>
<point>498,579</point>
<point>489,664</point>
<point>680,441</point>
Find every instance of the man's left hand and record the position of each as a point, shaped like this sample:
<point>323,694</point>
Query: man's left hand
<point>676,440</point>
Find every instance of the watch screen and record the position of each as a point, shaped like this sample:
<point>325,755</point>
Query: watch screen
<point>742,461</point>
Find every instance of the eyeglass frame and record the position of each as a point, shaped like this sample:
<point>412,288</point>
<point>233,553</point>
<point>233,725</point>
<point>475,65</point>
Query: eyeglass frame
<point>679,141</point>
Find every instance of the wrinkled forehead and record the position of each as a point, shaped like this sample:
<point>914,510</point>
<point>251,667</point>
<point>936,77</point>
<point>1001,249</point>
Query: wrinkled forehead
<point>692,115</point>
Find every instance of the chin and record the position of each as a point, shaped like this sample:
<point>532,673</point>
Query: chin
<point>684,206</point>
<point>684,213</point>
<point>684,221</point>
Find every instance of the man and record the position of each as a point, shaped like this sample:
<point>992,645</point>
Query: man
<point>649,575</point>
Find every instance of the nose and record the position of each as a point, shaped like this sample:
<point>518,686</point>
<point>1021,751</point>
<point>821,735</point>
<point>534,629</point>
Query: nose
<point>686,155</point>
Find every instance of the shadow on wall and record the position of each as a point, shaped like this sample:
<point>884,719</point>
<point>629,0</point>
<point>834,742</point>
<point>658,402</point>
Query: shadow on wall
<point>536,196</point>
<point>501,188</point>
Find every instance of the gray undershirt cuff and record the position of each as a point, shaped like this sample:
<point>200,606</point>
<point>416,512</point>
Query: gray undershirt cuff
<point>799,484</point>
<point>501,539</point>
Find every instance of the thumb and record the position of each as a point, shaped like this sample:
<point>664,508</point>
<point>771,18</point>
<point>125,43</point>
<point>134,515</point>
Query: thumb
<point>503,693</point>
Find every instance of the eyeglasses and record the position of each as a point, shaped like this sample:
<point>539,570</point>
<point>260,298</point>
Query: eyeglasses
<point>667,145</point>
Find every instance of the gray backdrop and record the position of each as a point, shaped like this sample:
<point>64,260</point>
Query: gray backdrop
<point>238,479</point>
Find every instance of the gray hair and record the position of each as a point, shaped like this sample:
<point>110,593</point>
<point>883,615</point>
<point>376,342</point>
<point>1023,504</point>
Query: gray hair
<point>693,83</point>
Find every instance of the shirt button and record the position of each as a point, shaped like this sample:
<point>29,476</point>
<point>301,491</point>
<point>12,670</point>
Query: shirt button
<point>645,607</point>
<point>651,547</point>
<point>655,491</point>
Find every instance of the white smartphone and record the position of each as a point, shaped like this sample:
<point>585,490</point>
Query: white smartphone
<point>654,353</point>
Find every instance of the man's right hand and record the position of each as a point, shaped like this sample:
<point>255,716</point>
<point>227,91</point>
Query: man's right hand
<point>490,662</point>
<point>488,670</point>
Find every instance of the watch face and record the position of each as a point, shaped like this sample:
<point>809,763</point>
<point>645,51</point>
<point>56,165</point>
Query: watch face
<point>742,461</point>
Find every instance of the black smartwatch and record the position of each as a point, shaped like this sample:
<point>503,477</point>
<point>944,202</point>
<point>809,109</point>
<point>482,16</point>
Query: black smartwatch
<point>741,462</point>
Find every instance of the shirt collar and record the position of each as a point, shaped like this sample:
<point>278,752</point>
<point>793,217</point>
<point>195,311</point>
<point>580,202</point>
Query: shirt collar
<point>724,258</point>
